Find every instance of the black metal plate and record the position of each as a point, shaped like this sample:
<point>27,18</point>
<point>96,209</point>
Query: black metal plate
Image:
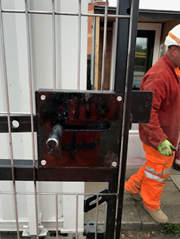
<point>92,123</point>
<point>141,106</point>
<point>23,170</point>
<point>140,109</point>
<point>24,124</point>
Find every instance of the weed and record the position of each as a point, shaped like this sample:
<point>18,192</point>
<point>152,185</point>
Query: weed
<point>171,229</point>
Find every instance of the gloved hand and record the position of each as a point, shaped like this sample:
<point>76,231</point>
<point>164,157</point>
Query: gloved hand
<point>165,148</point>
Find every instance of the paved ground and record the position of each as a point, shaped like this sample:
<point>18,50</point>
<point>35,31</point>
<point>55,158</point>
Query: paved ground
<point>136,218</point>
<point>124,235</point>
<point>136,222</point>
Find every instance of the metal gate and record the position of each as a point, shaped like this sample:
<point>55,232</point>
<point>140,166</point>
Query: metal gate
<point>82,136</point>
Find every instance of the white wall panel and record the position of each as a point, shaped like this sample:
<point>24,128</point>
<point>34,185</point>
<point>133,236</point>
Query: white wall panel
<point>15,36</point>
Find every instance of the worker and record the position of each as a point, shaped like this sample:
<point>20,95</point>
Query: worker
<point>160,135</point>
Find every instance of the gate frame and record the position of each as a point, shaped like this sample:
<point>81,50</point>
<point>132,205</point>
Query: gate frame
<point>28,170</point>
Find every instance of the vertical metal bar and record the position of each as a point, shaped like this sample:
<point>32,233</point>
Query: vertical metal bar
<point>111,208</point>
<point>31,107</point>
<point>76,216</point>
<point>126,114</point>
<point>56,216</point>
<point>104,46</point>
<point>8,116</point>
<point>79,47</point>
<point>122,46</point>
<point>54,44</point>
<point>97,211</point>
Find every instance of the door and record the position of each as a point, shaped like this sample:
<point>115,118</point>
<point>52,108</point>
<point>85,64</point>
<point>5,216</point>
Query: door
<point>147,53</point>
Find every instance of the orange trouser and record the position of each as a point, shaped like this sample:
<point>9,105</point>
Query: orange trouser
<point>151,178</point>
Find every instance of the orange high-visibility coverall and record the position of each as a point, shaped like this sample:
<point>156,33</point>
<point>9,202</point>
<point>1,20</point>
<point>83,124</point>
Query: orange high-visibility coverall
<point>151,177</point>
<point>164,81</point>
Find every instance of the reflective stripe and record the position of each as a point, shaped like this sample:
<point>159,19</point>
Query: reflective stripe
<point>152,170</point>
<point>152,176</point>
<point>174,37</point>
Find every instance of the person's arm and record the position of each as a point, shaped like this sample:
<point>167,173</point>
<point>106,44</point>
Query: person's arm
<point>153,129</point>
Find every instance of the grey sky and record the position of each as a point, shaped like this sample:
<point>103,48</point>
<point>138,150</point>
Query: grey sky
<point>142,42</point>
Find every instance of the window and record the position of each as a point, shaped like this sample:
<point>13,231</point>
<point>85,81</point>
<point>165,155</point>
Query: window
<point>143,56</point>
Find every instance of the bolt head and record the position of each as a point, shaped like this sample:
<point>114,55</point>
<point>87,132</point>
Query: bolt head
<point>43,97</point>
<point>43,162</point>
<point>114,164</point>
<point>119,98</point>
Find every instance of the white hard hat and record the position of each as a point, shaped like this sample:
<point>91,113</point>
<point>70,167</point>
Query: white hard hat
<point>173,37</point>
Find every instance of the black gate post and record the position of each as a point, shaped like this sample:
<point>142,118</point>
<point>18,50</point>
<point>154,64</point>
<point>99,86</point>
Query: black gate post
<point>127,32</point>
<point>111,209</point>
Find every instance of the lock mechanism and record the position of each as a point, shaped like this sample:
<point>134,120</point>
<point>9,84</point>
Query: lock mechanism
<point>53,139</point>
<point>78,129</point>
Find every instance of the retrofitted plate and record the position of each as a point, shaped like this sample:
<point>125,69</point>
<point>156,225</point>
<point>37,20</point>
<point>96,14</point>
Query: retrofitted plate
<point>91,123</point>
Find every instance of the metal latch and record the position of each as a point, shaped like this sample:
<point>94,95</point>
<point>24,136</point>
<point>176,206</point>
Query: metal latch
<point>91,202</point>
<point>91,231</point>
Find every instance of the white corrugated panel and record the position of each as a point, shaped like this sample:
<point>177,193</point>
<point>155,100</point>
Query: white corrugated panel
<point>18,83</point>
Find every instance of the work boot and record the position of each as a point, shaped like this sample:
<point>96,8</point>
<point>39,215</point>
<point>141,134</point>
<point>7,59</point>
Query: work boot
<point>135,196</point>
<point>158,215</point>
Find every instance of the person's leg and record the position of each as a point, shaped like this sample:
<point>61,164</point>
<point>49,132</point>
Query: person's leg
<point>156,172</point>
<point>151,190</point>
<point>133,185</point>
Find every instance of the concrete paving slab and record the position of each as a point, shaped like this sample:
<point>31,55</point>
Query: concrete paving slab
<point>147,222</point>
<point>128,198</point>
<point>171,194</point>
<point>95,187</point>
<point>174,172</point>
<point>176,180</point>
<point>134,215</point>
<point>170,187</point>
<point>170,198</point>
<point>130,218</point>
<point>173,213</point>
<point>91,215</point>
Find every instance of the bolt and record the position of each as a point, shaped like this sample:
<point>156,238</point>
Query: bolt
<point>43,162</point>
<point>43,97</point>
<point>119,98</point>
<point>114,164</point>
